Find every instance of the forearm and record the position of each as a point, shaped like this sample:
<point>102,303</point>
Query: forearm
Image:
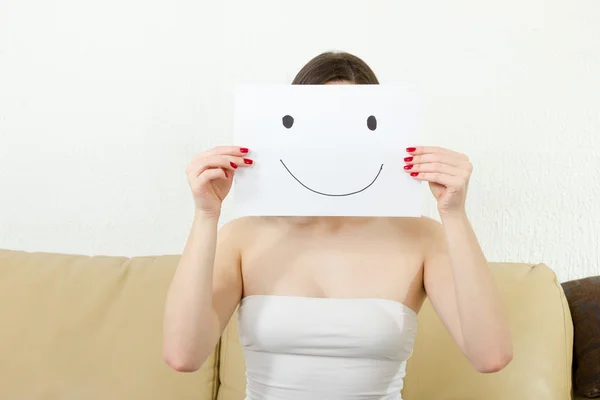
<point>482,317</point>
<point>190,324</point>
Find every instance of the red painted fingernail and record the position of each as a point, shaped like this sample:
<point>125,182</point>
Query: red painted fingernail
<point>243,150</point>
<point>411,149</point>
<point>408,159</point>
<point>414,174</point>
<point>234,166</point>
<point>226,176</point>
<point>248,161</point>
<point>407,167</point>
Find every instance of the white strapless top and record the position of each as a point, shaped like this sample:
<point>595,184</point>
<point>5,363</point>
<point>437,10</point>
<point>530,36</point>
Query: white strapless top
<point>304,348</point>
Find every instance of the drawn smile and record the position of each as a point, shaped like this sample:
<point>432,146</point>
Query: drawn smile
<point>333,194</point>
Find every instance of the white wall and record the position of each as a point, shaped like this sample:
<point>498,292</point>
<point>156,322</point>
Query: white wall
<point>102,104</point>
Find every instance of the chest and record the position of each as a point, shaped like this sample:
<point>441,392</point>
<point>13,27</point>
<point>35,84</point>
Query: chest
<point>376,264</point>
<point>361,328</point>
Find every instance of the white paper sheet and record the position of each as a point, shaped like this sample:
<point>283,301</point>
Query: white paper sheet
<point>329,162</point>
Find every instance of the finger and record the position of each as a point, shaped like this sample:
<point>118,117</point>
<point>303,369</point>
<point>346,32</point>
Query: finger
<point>196,167</point>
<point>437,177</point>
<point>419,150</point>
<point>227,150</point>
<point>234,151</point>
<point>437,167</point>
<point>450,159</point>
<point>212,174</point>
<point>237,161</point>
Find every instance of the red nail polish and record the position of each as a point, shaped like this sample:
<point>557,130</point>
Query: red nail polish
<point>248,161</point>
<point>408,159</point>
<point>234,166</point>
<point>414,174</point>
<point>243,150</point>
<point>407,167</point>
<point>226,176</point>
<point>411,149</point>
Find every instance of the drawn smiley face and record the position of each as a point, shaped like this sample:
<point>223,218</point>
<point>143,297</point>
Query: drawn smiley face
<point>288,123</point>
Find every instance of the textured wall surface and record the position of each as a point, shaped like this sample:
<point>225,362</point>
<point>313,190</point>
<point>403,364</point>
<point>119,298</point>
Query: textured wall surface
<point>102,104</point>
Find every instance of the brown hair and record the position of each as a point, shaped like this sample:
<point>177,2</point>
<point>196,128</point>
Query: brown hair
<point>333,67</point>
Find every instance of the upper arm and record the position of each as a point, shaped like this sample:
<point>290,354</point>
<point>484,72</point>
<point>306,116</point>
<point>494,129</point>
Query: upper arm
<point>439,280</point>
<point>227,277</point>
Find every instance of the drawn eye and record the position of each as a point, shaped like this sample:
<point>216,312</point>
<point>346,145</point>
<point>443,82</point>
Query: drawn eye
<point>288,121</point>
<point>372,123</point>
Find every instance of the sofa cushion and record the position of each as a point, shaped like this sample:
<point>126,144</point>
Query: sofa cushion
<point>584,301</point>
<point>542,334</point>
<point>232,367</point>
<point>75,327</point>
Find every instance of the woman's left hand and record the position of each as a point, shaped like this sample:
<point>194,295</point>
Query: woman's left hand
<point>447,172</point>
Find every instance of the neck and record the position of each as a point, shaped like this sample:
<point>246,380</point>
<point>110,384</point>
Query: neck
<point>327,223</point>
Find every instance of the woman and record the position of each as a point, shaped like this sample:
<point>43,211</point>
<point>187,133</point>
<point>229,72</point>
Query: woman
<point>328,305</point>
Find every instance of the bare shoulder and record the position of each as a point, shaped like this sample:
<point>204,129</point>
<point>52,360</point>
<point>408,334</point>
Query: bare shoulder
<point>423,227</point>
<point>430,226</point>
<point>237,228</point>
<point>239,231</point>
<point>434,239</point>
<point>232,238</point>
<point>237,224</point>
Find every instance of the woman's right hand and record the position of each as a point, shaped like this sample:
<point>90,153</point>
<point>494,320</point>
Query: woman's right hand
<point>210,176</point>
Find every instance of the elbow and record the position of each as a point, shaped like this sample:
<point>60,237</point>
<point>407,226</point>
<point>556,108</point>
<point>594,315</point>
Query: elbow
<point>494,362</point>
<point>180,362</point>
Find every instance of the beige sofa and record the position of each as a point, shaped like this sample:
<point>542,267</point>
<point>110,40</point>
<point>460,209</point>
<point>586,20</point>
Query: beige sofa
<point>89,328</point>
